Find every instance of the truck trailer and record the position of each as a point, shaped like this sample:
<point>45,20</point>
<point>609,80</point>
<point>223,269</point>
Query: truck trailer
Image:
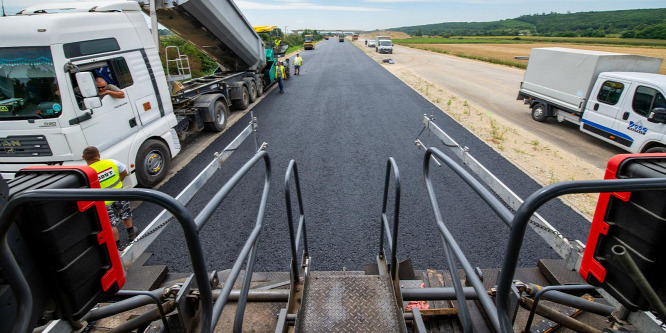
<point>617,98</point>
<point>50,55</point>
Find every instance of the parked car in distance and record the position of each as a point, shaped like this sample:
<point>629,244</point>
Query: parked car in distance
<point>372,43</point>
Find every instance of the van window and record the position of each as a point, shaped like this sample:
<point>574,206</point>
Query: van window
<point>114,71</point>
<point>646,99</point>
<point>610,92</point>
<point>88,47</point>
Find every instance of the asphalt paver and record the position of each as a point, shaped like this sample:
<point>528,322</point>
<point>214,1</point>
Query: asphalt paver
<point>341,120</point>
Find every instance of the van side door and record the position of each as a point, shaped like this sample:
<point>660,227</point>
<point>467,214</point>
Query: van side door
<point>603,109</point>
<point>633,121</point>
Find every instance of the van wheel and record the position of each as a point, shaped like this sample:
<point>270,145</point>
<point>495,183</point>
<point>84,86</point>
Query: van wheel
<point>152,163</point>
<point>539,113</point>
<point>260,88</point>
<point>659,149</point>
<point>244,102</point>
<point>220,116</point>
<point>253,91</point>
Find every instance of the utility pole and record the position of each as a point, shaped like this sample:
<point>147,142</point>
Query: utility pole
<point>153,24</point>
<point>285,30</point>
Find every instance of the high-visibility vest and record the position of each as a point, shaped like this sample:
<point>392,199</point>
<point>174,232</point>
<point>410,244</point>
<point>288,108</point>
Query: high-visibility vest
<point>108,175</point>
<point>298,61</point>
<point>278,42</point>
<point>279,70</point>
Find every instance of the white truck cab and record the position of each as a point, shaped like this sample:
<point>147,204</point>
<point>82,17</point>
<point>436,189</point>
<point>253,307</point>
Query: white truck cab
<point>44,116</point>
<point>622,111</point>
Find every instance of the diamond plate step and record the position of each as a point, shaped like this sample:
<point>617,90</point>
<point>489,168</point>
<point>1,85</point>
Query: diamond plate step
<point>349,303</point>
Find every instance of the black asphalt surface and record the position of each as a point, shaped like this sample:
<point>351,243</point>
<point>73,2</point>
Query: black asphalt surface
<point>341,120</point>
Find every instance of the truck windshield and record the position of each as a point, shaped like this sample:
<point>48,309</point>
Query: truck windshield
<point>28,86</point>
<point>308,39</point>
<point>385,43</point>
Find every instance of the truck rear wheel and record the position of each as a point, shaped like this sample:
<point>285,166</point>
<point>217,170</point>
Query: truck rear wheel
<point>152,163</point>
<point>539,112</point>
<point>244,101</point>
<point>220,116</point>
<point>260,88</point>
<point>659,149</point>
<point>253,91</point>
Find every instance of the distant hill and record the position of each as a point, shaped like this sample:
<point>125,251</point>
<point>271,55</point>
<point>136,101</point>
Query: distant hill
<point>635,23</point>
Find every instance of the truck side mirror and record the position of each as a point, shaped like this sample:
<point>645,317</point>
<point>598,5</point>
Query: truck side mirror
<point>657,115</point>
<point>86,83</point>
<point>92,102</point>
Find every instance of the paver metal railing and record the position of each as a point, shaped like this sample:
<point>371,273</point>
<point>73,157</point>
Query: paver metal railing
<point>391,234</point>
<point>499,312</point>
<point>292,169</point>
<point>210,313</point>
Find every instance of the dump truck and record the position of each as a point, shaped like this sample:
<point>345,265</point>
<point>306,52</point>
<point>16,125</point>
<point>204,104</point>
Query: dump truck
<point>53,284</point>
<point>617,98</point>
<point>50,109</point>
<point>354,36</point>
<point>308,42</point>
<point>341,38</point>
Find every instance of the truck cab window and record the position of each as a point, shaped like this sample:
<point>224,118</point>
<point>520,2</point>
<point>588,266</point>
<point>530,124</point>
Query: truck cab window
<point>28,85</point>
<point>114,71</point>
<point>646,99</point>
<point>610,92</point>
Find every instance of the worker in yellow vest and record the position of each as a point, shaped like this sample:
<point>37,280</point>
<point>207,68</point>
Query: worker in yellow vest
<point>279,75</point>
<point>111,174</point>
<point>298,62</point>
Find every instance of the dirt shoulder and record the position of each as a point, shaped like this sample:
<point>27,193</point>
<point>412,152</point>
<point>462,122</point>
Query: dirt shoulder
<point>543,161</point>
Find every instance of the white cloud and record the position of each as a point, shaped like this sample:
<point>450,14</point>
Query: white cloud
<point>297,5</point>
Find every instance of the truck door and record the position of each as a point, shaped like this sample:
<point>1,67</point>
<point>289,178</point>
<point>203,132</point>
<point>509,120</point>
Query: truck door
<point>115,120</point>
<point>603,111</point>
<point>633,120</point>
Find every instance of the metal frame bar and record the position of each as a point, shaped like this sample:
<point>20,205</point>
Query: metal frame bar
<point>385,229</point>
<point>154,298</point>
<point>544,290</point>
<point>294,242</point>
<point>158,224</point>
<point>248,252</point>
<point>571,251</point>
<point>18,283</point>
<point>451,247</point>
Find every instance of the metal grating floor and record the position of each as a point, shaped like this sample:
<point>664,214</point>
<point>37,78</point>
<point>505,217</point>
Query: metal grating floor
<point>346,303</point>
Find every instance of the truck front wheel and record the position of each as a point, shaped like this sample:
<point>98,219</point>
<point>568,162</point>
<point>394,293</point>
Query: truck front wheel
<point>659,149</point>
<point>539,112</point>
<point>152,163</point>
<point>244,101</point>
<point>220,116</point>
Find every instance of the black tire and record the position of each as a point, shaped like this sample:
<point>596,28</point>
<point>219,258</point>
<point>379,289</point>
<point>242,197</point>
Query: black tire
<point>221,115</point>
<point>658,149</point>
<point>539,112</point>
<point>244,102</point>
<point>153,162</point>
<point>391,52</point>
<point>260,88</point>
<point>253,91</point>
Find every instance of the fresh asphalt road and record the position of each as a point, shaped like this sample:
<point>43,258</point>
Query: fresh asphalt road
<point>341,120</point>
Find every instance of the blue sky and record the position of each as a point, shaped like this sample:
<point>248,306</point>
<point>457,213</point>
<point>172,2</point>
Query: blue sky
<point>379,14</point>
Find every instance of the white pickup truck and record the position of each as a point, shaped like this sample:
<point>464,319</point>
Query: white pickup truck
<point>384,44</point>
<point>617,98</point>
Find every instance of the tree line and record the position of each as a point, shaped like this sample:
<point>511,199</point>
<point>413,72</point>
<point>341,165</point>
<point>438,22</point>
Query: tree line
<point>635,23</point>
